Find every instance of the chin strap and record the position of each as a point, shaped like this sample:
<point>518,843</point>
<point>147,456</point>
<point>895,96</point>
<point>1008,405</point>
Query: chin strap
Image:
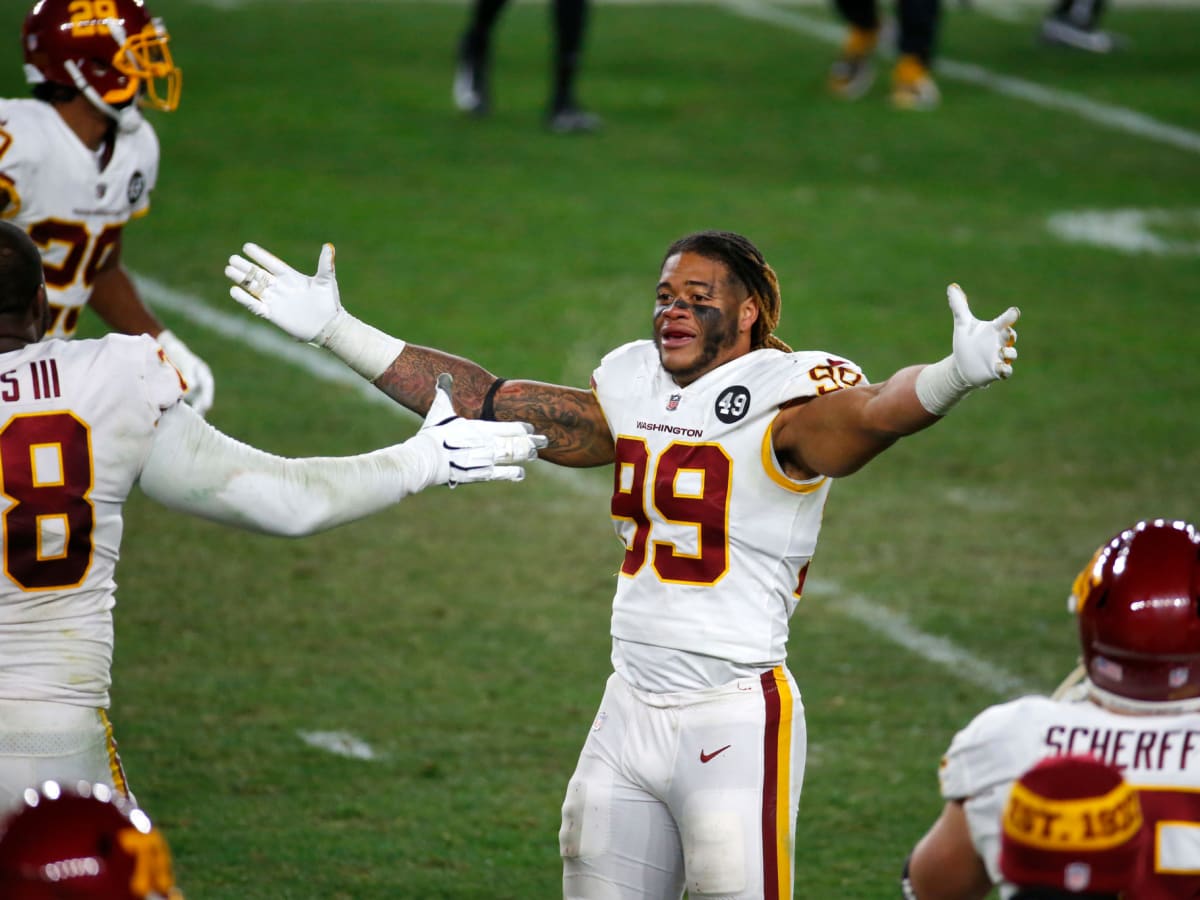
<point>128,118</point>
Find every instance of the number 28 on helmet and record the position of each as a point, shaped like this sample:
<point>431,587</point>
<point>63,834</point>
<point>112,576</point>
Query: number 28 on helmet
<point>1138,605</point>
<point>112,51</point>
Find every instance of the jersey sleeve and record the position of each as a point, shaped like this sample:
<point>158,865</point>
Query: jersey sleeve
<point>20,156</point>
<point>623,371</point>
<point>194,468</point>
<point>160,383</point>
<point>983,761</point>
<point>991,750</point>
<point>815,372</point>
<point>148,152</point>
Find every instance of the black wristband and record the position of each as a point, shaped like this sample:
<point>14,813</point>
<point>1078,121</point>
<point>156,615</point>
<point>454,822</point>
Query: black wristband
<point>488,410</point>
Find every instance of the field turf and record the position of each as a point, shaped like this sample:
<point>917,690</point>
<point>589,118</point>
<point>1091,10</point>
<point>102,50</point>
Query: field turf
<point>462,636</point>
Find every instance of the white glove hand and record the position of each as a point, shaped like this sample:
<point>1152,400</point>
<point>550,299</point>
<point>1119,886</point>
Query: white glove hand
<point>309,309</point>
<point>301,305</point>
<point>983,351</point>
<point>469,450</point>
<point>196,374</point>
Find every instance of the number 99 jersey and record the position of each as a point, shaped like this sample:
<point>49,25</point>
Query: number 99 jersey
<point>717,538</point>
<point>72,202</point>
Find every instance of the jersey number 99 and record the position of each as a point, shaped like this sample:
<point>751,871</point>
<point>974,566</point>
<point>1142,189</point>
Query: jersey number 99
<point>705,509</point>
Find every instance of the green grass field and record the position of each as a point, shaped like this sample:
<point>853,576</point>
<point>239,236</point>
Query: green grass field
<point>463,635</point>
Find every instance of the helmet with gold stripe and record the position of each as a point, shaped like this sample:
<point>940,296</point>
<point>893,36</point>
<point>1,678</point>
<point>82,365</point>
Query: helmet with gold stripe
<point>112,51</point>
<point>82,843</point>
<point>1138,606</point>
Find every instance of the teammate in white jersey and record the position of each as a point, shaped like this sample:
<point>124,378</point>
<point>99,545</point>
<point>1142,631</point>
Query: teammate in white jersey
<point>81,422</point>
<point>1138,708</point>
<point>78,161</point>
<point>723,443</point>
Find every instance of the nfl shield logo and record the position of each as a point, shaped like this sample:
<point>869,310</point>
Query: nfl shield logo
<point>1178,677</point>
<point>1077,876</point>
<point>673,402</point>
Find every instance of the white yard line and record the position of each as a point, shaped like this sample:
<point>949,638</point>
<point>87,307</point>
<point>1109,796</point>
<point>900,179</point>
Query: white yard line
<point>339,743</point>
<point>900,631</point>
<point>269,341</point>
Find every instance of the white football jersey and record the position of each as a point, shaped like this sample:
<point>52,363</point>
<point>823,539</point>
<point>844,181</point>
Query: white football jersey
<point>72,202</point>
<point>1158,754</point>
<point>717,538</point>
<point>77,419</point>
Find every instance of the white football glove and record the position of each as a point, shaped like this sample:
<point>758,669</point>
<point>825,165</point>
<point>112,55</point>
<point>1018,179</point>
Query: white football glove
<point>196,374</point>
<point>469,450</point>
<point>301,305</point>
<point>983,353</point>
<point>309,308</point>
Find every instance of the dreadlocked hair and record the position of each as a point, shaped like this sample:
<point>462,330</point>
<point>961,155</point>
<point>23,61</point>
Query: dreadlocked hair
<point>747,265</point>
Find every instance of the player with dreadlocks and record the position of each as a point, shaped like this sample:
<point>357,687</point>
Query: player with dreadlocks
<point>724,443</point>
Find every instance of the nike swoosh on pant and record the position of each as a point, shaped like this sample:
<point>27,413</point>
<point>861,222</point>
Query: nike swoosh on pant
<point>705,757</point>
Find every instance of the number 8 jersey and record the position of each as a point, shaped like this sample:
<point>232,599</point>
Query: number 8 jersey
<point>717,538</point>
<point>70,200</point>
<point>77,420</point>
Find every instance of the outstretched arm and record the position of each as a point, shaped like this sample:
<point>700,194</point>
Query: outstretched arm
<point>570,418</point>
<point>194,468</point>
<point>309,309</point>
<point>838,433</point>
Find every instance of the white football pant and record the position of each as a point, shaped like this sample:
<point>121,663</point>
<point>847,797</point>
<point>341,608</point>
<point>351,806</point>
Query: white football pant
<point>694,791</point>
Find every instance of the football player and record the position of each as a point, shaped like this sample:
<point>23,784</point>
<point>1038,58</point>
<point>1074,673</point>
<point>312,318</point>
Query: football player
<point>82,422</point>
<point>913,33</point>
<point>78,161</point>
<point>724,444</point>
<point>1137,708</point>
<point>472,92</point>
<point>82,842</point>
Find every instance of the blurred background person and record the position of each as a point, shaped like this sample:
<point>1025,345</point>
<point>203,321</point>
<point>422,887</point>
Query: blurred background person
<point>472,77</point>
<point>1076,24</point>
<point>82,842</point>
<point>915,33</point>
<point>79,160</point>
<point>1137,708</point>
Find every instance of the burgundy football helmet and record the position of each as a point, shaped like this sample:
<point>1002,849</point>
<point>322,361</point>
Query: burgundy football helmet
<point>82,843</point>
<point>110,50</point>
<point>1138,603</point>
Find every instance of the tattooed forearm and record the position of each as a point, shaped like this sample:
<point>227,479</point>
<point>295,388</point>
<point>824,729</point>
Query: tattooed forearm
<point>570,417</point>
<point>411,377</point>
